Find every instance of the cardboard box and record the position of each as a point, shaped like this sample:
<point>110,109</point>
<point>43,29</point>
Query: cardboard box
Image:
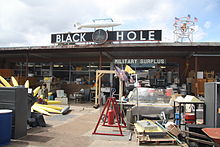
<point>191,74</point>
<point>173,129</point>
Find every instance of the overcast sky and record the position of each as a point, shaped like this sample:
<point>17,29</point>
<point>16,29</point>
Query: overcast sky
<point>31,22</point>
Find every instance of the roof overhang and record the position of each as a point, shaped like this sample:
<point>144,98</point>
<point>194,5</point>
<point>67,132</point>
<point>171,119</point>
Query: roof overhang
<point>92,52</point>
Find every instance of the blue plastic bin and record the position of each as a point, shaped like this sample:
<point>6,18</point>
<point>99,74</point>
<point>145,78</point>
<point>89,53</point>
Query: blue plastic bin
<point>5,126</point>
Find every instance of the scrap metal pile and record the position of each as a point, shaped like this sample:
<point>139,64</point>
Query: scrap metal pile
<point>42,106</point>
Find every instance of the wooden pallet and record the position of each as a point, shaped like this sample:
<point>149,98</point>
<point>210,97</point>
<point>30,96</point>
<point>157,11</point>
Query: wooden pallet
<point>145,138</point>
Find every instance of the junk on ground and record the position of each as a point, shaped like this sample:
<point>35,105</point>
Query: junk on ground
<point>148,132</point>
<point>36,119</point>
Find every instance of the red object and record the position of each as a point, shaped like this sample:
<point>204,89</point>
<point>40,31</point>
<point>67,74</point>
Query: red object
<point>110,117</point>
<point>213,133</point>
<point>189,118</point>
<point>111,105</point>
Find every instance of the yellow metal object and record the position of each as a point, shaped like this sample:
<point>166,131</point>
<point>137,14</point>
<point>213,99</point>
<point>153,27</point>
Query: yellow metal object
<point>14,81</point>
<point>36,90</point>
<point>1,85</point>
<point>4,82</point>
<point>26,84</point>
<point>51,106</point>
<point>38,109</point>
<point>53,102</point>
<point>49,109</point>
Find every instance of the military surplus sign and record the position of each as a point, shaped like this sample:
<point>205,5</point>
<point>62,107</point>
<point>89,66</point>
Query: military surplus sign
<point>139,61</point>
<point>132,35</point>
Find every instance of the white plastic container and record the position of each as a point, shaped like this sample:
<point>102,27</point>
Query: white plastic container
<point>60,93</point>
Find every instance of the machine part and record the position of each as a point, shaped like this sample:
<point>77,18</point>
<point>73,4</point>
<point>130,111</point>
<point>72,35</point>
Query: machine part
<point>40,110</point>
<point>14,81</point>
<point>26,84</point>
<point>130,135</point>
<point>65,110</point>
<point>36,90</point>
<point>129,119</point>
<point>49,109</point>
<point>53,102</point>
<point>111,102</point>
<point>50,106</point>
<point>5,82</point>
<point>111,117</point>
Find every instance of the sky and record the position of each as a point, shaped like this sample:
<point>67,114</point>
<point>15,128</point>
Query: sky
<point>31,22</point>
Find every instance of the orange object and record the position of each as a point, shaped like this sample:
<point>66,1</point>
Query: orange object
<point>213,133</point>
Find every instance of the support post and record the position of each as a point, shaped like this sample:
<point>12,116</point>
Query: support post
<point>100,60</point>
<point>196,70</point>
<point>27,62</point>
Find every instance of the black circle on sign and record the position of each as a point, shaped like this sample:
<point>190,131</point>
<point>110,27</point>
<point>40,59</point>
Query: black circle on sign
<point>100,36</point>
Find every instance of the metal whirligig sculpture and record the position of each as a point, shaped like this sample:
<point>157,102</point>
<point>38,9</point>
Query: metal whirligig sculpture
<point>184,28</point>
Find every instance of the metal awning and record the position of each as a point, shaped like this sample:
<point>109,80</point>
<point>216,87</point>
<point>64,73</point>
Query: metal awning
<point>92,52</point>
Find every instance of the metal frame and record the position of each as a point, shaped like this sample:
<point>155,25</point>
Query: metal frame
<point>111,104</point>
<point>99,75</point>
<point>184,28</point>
<point>180,111</point>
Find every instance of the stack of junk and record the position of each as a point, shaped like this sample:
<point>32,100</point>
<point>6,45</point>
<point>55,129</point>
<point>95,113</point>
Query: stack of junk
<point>26,107</point>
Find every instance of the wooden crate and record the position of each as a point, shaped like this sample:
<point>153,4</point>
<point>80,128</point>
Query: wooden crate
<point>173,129</point>
<point>144,138</point>
<point>198,86</point>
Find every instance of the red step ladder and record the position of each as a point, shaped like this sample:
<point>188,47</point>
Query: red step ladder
<point>111,104</point>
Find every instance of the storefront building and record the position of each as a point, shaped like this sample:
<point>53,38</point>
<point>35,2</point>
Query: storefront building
<point>74,57</point>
